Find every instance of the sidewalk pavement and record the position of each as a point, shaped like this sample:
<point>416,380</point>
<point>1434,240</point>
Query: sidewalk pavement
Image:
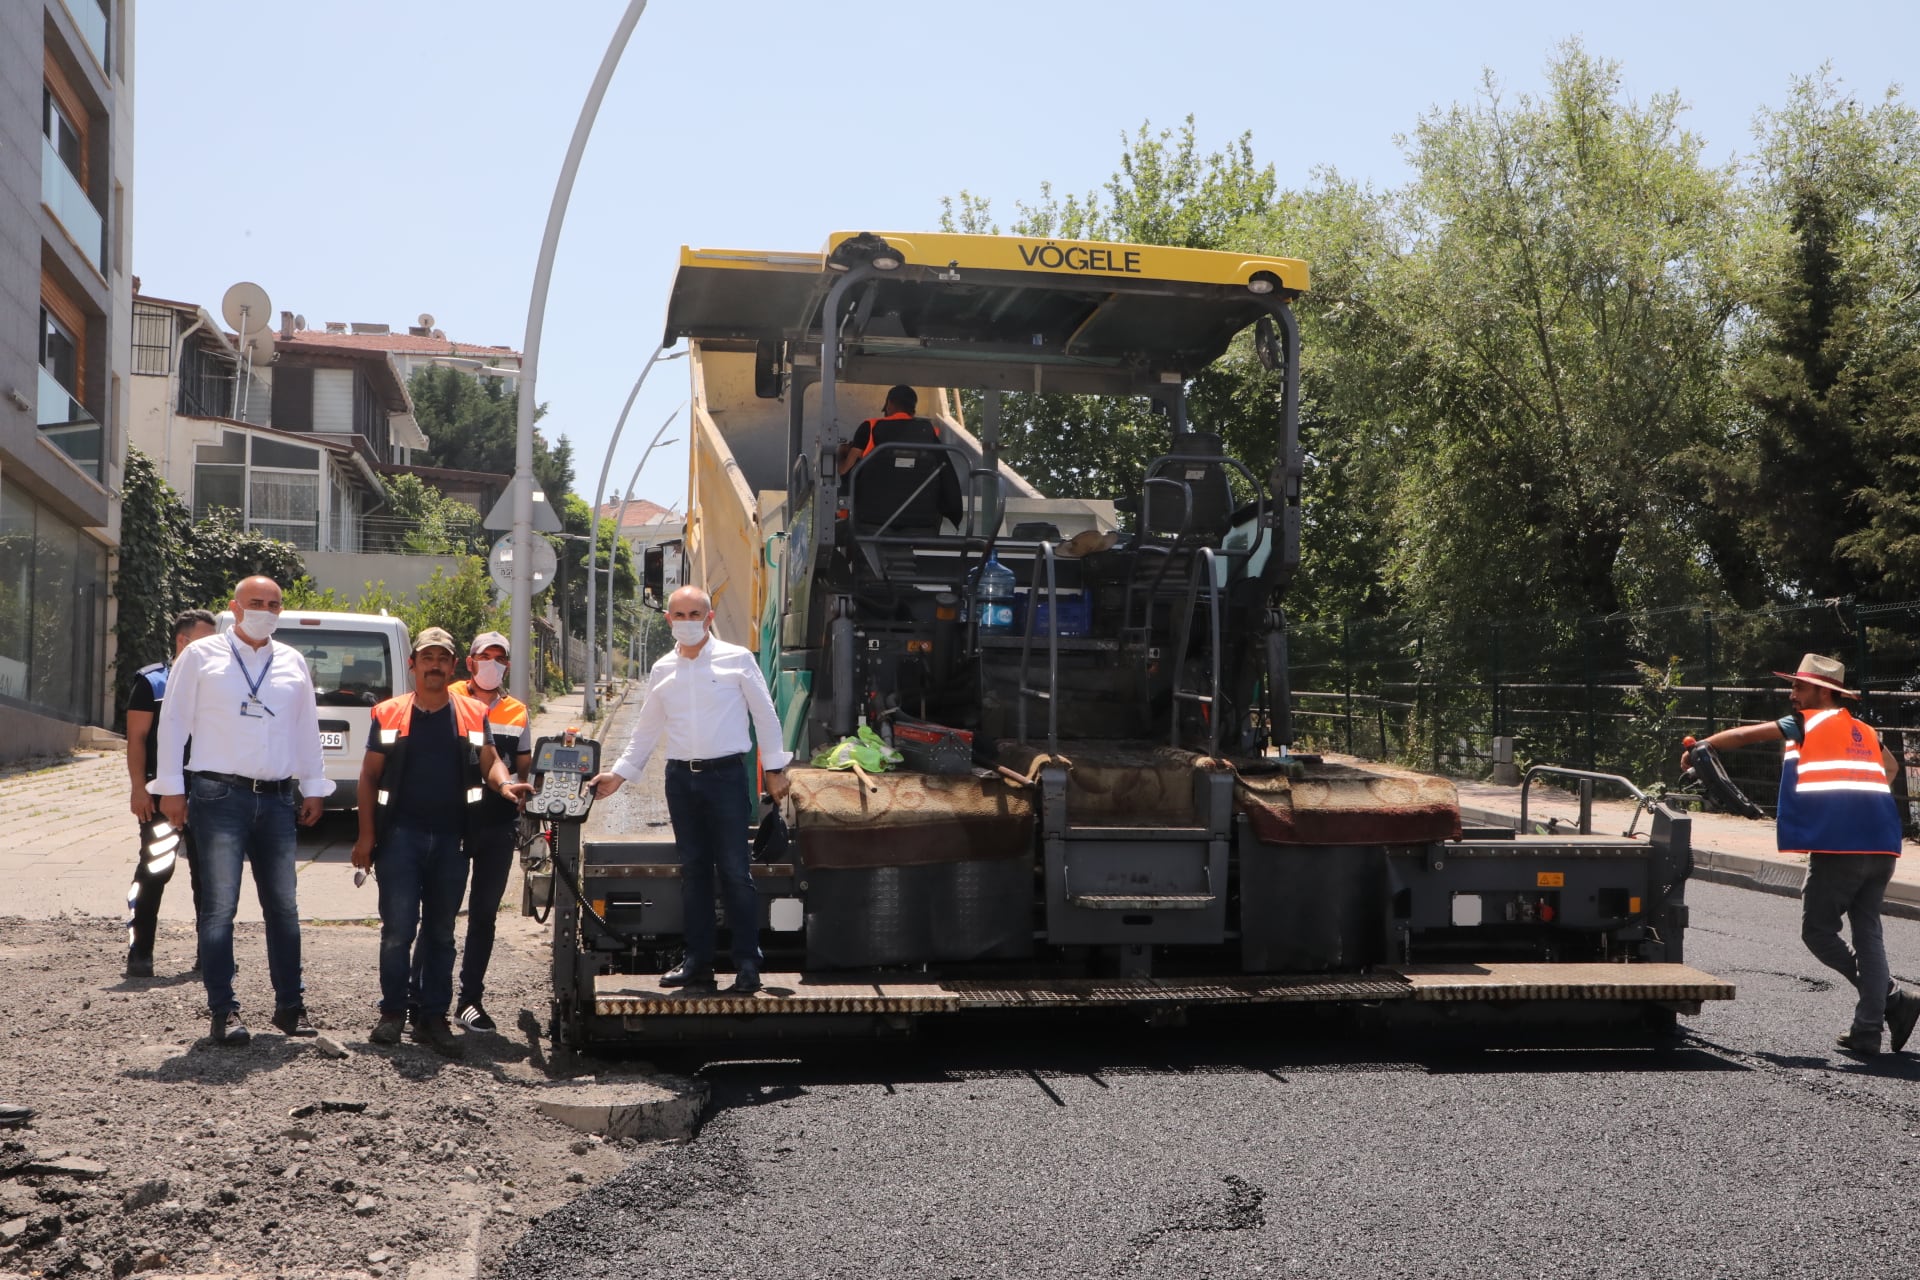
<point>69,840</point>
<point>1726,849</point>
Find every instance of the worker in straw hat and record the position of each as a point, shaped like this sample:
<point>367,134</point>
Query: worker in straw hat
<point>1837,807</point>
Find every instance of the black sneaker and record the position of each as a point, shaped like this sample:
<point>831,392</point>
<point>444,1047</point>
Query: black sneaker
<point>687,975</point>
<point>14,1116</point>
<point>294,1022</point>
<point>139,966</point>
<point>1903,1011</point>
<point>1861,1042</point>
<point>432,1031</point>
<point>227,1029</point>
<point>473,1017</point>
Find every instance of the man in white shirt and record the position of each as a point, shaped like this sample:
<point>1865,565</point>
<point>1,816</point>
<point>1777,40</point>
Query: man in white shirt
<point>700,698</point>
<point>246,702</point>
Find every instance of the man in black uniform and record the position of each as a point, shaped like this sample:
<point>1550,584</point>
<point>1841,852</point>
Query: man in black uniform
<point>161,846</point>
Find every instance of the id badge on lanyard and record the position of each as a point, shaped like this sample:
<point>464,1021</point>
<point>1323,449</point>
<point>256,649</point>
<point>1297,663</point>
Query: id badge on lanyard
<point>251,708</point>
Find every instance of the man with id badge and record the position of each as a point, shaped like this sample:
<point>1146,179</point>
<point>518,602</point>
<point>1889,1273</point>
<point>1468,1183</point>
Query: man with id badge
<point>246,701</point>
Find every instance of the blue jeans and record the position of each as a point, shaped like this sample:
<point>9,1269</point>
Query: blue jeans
<point>422,877</point>
<point>709,813</point>
<point>1851,885</point>
<point>234,827</point>
<point>491,848</point>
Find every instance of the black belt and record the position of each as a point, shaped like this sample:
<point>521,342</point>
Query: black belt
<point>698,765</point>
<point>255,785</point>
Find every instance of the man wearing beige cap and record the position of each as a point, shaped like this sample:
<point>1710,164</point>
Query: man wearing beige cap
<point>429,761</point>
<point>1837,807</point>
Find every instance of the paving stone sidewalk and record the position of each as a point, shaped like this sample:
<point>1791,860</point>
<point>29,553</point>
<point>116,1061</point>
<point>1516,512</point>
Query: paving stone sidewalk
<point>67,845</point>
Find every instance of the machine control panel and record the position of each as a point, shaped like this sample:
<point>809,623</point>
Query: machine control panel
<point>561,767</point>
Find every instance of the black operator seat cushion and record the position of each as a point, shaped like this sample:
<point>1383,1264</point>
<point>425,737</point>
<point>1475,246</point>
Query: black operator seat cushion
<point>1187,462</point>
<point>892,488</point>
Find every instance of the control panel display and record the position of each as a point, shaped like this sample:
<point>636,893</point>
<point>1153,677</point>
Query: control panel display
<point>561,767</point>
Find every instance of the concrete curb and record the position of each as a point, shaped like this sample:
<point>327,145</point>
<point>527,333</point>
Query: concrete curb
<point>641,1107</point>
<point>1780,874</point>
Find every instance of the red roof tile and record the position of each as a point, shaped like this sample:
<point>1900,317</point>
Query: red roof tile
<point>640,512</point>
<point>403,341</point>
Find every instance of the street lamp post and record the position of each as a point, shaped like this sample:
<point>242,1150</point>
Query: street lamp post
<point>620,518</point>
<point>587,699</point>
<point>522,618</point>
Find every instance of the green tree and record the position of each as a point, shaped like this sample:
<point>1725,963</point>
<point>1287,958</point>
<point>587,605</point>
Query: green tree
<point>576,517</point>
<point>472,423</point>
<point>1561,312</point>
<point>418,519</point>
<point>1825,484</point>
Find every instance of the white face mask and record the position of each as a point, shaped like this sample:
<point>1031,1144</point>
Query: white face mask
<point>688,632</point>
<point>258,624</point>
<point>487,673</point>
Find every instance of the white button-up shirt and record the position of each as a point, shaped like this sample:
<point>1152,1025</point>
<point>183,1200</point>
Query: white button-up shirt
<point>699,708</point>
<point>205,695</point>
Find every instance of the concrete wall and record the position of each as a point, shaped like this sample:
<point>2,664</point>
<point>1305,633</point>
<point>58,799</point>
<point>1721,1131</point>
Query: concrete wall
<point>349,572</point>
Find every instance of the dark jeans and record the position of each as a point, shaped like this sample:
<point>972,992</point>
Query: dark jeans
<point>491,848</point>
<point>233,827</point>
<point>709,812</point>
<point>423,875</point>
<point>1850,885</point>
<point>160,854</point>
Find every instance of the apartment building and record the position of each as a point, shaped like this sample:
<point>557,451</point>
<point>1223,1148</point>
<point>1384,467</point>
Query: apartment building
<point>66,198</point>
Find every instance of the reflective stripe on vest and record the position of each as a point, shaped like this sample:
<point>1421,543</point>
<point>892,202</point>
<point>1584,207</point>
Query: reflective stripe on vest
<point>394,718</point>
<point>1834,792</point>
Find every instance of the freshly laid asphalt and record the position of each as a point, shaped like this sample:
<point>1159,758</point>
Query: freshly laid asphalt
<point>1295,1147</point>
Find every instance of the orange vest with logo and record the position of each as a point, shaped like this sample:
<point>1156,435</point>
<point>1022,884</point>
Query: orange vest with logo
<point>393,722</point>
<point>1834,792</point>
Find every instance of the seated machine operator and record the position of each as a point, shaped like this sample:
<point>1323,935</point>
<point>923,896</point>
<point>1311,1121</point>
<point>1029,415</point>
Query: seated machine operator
<point>897,424</point>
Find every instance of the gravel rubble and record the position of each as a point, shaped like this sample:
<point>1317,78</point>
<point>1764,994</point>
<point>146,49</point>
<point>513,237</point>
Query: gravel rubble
<point>155,1150</point>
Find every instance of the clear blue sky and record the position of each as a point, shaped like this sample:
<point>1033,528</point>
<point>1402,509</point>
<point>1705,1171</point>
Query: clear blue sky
<point>369,160</point>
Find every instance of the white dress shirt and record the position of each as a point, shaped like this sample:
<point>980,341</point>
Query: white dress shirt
<point>205,695</point>
<point>699,707</point>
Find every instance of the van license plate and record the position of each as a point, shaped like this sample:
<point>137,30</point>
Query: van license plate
<point>333,742</point>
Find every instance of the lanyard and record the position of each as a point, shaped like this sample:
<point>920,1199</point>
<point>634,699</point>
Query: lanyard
<point>253,682</point>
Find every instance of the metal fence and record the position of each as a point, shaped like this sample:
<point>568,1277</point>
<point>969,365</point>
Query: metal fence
<point>1615,693</point>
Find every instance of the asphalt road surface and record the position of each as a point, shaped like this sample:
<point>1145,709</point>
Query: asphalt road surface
<point>1299,1149</point>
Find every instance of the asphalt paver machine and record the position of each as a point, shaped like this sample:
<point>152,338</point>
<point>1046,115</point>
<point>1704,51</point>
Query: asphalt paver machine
<point>1101,805</point>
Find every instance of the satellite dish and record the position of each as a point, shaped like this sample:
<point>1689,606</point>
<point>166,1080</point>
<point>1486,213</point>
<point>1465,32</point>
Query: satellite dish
<point>245,308</point>
<point>299,324</point>
<point>426,320</point>
<point>260,344</point>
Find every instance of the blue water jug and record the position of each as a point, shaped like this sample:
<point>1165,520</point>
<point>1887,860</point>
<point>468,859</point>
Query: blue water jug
<point>993,598</point>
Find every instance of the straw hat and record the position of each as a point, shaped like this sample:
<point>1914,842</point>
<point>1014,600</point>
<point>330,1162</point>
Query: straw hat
<point>1825,672</point>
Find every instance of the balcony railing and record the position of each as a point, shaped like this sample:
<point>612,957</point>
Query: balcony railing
<point>67,200</point>
<point>91,19</point>
<point>66,422</point>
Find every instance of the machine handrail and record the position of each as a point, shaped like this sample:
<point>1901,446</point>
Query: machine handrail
<point>1202,565</point>
<point>1051,693</point>
<point>1587,778</point>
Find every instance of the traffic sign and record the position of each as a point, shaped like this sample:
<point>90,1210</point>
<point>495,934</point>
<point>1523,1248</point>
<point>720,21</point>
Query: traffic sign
<point>545,518</point>
<point>500,563</point>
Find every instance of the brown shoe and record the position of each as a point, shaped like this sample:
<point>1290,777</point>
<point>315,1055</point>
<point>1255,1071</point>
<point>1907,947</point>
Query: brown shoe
<point>431,1029</point>
<point>388,1029</point>
<point>1861,1042</point>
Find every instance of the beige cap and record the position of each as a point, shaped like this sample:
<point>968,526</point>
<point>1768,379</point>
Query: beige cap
<point>436,638</point>
<point>488,639</point>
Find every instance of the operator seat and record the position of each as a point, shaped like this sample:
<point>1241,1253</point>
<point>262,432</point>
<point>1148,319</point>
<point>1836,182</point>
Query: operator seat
<point>904,490</point>
<point>1192,503</point>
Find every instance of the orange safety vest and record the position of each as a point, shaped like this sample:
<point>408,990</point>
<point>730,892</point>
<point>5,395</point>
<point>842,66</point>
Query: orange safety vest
<point>872,425</point>
<point>393,722</point>
<point>506,717</point>
<point>1834,793</point>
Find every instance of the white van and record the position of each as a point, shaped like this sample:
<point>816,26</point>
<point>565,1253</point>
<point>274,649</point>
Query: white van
<point>357,659</point>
